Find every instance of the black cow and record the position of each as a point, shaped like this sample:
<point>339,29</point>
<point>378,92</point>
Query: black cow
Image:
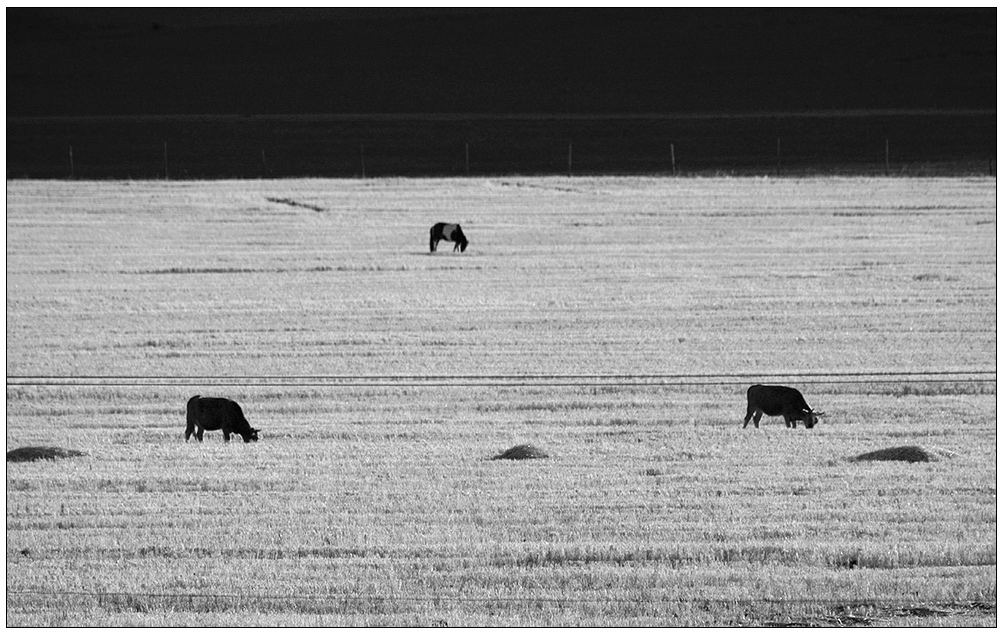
<point>444,231</point>
<point>778,400</point>
<point>208,413</point>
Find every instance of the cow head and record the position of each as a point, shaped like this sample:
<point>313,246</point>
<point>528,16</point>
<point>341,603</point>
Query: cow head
<point>250,436</point>
<point>810,418</point>
<point>459,237</point>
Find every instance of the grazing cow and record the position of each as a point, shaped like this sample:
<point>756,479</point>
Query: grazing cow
<point>444,231</point>
<point>207,413</point>
<point>778,400</point>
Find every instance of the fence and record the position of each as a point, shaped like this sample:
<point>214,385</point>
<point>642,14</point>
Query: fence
<point>970,376</point>
<point>890,144</point>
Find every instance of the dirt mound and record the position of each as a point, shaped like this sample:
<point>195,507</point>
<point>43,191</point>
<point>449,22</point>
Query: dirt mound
<point>31,454</point>
<point>521,452</point>
<point>908,453</point>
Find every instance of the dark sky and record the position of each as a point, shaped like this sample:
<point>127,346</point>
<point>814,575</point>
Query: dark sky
<point>497,61</point>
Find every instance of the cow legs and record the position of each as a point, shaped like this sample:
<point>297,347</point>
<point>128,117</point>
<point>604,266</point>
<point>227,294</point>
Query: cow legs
<point>226,436</point>
<point>755,414</point>
<point>198,434</point>
<point>456,246</point>
<point>189,431</point>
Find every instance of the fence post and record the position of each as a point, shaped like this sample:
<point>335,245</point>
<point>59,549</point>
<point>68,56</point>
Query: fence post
<point>778,156</point>
<point>672,157</point>
<point>569,160</point>
<point>467,158</point>
<point>71,162</point>
<point>887,156</point>
<point>264,166</point>
<point>362,158</point>
<point>166,177</point>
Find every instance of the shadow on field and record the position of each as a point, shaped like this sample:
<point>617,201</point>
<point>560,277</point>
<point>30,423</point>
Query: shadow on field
<point>31,454</point>
<point>907,453</point>
<point>521,452</point>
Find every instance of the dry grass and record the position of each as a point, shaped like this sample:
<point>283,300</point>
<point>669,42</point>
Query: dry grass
<point>579,276</point>
<point>374,505</point>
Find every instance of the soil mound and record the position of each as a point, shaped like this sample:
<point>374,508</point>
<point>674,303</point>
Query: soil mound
<point>521,452</point>
<point>31,454</point>
<point>908,453</point>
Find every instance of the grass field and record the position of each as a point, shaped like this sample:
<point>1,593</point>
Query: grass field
<point>371,498</point>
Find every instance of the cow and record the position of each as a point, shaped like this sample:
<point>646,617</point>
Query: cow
<point>209,413</point>
<point>778,400</point>
<point>444,231</point>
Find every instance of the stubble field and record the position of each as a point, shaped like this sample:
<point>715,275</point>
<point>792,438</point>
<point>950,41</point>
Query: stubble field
<point>613,322</point>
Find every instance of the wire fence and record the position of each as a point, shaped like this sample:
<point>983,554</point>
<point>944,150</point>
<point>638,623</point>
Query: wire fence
<point>971,376</point>
<point>925,143</point>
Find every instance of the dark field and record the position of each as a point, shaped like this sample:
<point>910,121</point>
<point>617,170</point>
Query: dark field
<point>346,146</point>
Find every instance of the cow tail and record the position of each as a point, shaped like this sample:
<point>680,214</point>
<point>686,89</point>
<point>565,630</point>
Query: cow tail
<point>191,416</point>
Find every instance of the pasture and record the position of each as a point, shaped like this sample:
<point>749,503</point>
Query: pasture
<point>613,322</point>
